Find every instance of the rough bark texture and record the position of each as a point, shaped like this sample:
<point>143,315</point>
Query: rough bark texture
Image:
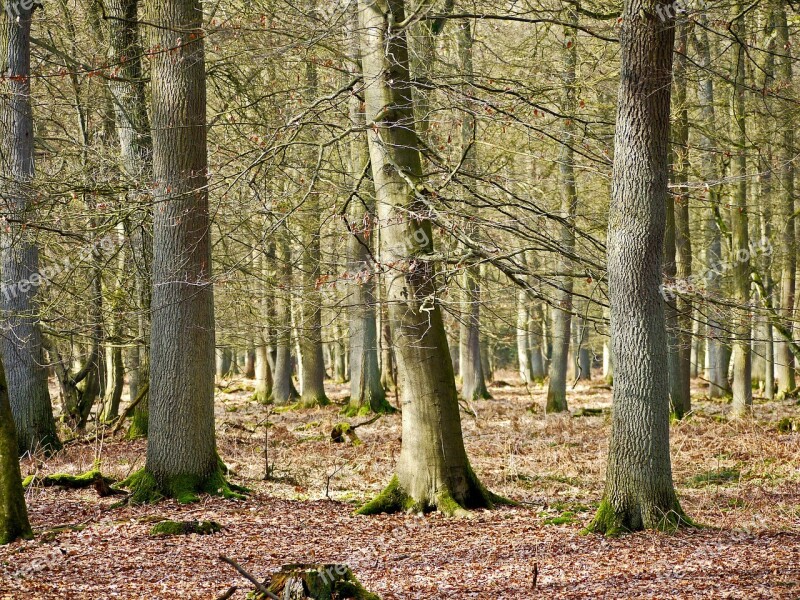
<point>13,513</point>
<point>433,470</point>
<point>562,311</point>
<point>639,492</point>
<point>742,349</point>
<point>181,452</point>
<point>21,342</point>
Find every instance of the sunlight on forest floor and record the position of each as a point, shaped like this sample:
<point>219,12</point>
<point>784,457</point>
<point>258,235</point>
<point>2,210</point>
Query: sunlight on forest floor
<point>741,479</point>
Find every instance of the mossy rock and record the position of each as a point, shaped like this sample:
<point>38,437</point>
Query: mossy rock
<point>318,582</point>
<point>185,528</point>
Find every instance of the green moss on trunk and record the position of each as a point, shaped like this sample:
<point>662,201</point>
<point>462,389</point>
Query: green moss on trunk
<point>318,582</point>
<point>613,523</point>
<point>146,489</point>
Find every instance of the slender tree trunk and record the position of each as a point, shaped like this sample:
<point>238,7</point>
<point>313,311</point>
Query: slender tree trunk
<point>283,389</point>
<point>716,348</point>
<point>13,513</point>
<point>127,87</point>
<point>742,350</point>
<point>523,338</point>
<point>639,492</point>
<point>263,367</point>
<point>536,337</point>
<point>433,470</point>
<point>21,342</point>
<point>784,360</point>
<point>181,451</point>
<point>562,311</point>
<point>367,393</point>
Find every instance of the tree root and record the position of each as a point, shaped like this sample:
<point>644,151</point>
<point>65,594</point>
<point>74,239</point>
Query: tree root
<point>186,489</point>
<point>103,485</point>
<point>612,523</point>
<point>185,528</point>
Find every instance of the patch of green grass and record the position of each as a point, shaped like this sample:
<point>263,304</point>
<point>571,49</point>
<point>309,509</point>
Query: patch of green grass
<point>716,477</point>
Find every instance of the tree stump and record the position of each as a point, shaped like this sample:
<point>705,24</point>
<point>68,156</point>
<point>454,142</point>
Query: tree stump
<point>318,582</point>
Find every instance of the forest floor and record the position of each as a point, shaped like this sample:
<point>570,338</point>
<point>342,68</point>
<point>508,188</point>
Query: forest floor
<point>739,479</point>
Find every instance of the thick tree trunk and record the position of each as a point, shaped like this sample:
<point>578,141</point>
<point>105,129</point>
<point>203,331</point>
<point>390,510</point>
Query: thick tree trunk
<point>433,470</point>
<point>21,343</point>
<point>562,311</point>
<point>181,451</point>
<point>742,350</point>
<point>639,492</point>
<point>13,513</point>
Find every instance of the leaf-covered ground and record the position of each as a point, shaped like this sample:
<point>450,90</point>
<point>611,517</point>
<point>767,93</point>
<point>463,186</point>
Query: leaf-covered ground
<point>739,479</point>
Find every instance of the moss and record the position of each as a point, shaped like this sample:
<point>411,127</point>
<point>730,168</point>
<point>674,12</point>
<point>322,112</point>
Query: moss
<point>610,523</point>
<point>320,582</point>
<point>716,477</point>
<point>139,425</point>
<point>341,430</point>
<point>186,489</point>
<point>185,528</point>
<point>606,522</point>
<point>566,518</point>
<point>787,425</point>
<point>392,499</point>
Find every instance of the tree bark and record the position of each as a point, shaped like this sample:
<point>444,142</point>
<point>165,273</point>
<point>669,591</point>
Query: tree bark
<point>13,512</point>
<point>181,452</point>
<point>639,492</point>
<point>433,470</point>
<point>21,342</point>
<point>740,243</point>
<point>283,389</point>
<point>562,310</point>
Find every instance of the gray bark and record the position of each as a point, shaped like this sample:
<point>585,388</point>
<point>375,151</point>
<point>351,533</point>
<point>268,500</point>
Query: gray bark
<point>283,389</point>
<point>639,492</point>
<point>21,343</point>
<point>181,448</point>
<point>13,512</point>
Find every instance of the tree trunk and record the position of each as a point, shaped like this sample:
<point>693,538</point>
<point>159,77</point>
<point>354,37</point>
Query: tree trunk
<point>21,343</point>
<point>523,338</point>
<point>127,88</point>
<point>784,360</point>
<point>181,451</point>
<point>716,348</point>
<point>639,492</point>
<point>562,311</point>
<point>536,341</point>
<point>433,470</point>
<point>742,351</point>
<point>13,513</point>
<point>283,389</point>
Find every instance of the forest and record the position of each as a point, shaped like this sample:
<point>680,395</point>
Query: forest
<point>399,299</point>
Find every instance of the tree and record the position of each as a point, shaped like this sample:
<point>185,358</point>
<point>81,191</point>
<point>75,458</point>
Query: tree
<point>181,452</point>
<point>13,513</point>
<point>740,242</point>
<point>433,470</point>
<point>639,493</point>
<point>562,310</point>
<point>21,342</point>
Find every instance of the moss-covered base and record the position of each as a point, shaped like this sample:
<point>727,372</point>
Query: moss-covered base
<point>145,489</point>
<point>313,401</point>
<point>139,424</point>
<point>612,523</point>
<point>12,530</point>
<point>377,406</point>
<point>262,396</point>
<point>318,582</point>
<point>395,499</point>
<point>185,528</point>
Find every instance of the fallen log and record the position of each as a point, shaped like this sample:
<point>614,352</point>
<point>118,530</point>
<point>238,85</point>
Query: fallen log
<point>101,484</point>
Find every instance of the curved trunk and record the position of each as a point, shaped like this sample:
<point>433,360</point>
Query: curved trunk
<point>639,492</point>
<point>21,344</point>
<point>433,470</point>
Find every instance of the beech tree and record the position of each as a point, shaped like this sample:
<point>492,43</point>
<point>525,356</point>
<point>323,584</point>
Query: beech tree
<point>13,513</point>
<point>433,471</point>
